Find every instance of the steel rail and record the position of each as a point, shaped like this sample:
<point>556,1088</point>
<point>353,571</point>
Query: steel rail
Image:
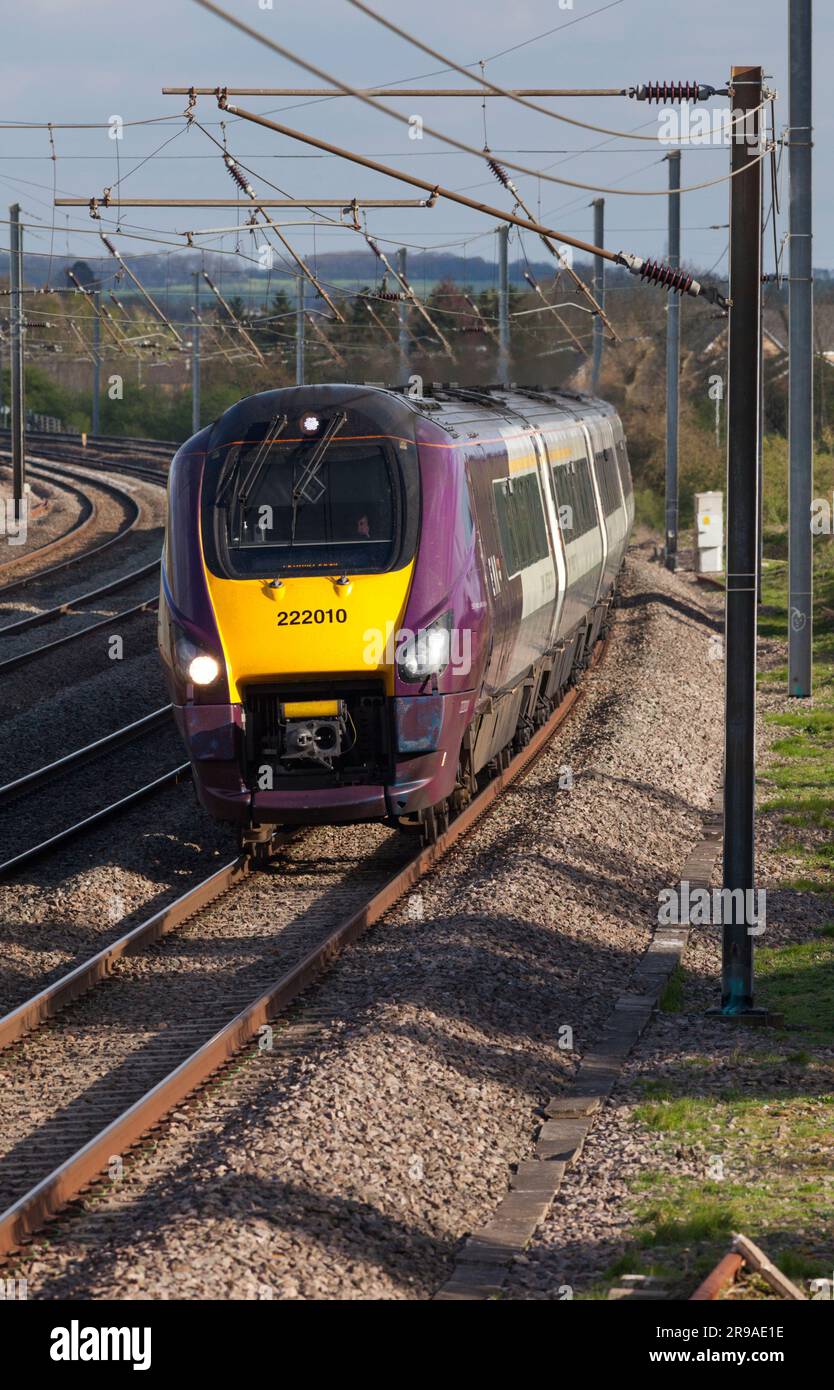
<point>176,775</point>
<point>47,1003</point>
<point>49,438</point>
<point>44,1200</point>
<point>75,456</point>
<point>23,658</point>
<point>725,1273</point>
<point>98,465</point>
<point>711,582</point>
<point>82,523</point>
<point>137,442</point>
<point>81,756</point>
<point>49,614</point>
<point>43,465</point>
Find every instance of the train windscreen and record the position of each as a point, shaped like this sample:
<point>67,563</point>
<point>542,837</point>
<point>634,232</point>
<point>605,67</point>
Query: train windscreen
<point>285,506</point>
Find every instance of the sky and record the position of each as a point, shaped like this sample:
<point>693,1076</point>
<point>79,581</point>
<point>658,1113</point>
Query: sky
<point>85,61</point>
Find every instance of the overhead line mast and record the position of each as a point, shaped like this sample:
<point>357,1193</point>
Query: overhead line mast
<point>743,404</point>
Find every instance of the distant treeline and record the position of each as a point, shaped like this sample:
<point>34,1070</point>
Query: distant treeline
<point>348,268</point>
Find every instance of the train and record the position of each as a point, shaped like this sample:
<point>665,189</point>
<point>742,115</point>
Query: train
<point>370,596</point>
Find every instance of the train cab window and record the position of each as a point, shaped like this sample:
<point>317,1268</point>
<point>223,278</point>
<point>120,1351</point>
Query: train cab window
<point>521,525</point>
<point>281,515</point>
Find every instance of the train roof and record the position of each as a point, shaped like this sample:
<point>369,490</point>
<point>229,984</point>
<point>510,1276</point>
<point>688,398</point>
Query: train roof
<point>455,409</point>
<point>449,405</point>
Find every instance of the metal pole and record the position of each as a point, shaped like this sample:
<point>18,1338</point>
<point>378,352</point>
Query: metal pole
<point>95,425</point>
<point>760,463</point>
<point>801,349</point>
<point>599,291</point>
<point>503,306</point>
<point>195,357</point>
<point>742,540</point>
<point>299,331</point>
<point>18,416</point>
<point>673,354</point>
<point>402,314</point>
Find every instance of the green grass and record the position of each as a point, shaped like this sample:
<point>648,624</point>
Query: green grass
<point>799,786</point>
<point>775,1153</point>
<point>771,1123</point>
<point>798,981</point>
<point>687,1116</point>
<point>671,1000</point>
<point>685,1218</point>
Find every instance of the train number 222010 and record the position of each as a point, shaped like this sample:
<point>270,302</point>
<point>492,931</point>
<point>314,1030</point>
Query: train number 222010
<point>297,617</point>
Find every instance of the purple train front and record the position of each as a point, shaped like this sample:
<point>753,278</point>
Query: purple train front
<point>368,595</point>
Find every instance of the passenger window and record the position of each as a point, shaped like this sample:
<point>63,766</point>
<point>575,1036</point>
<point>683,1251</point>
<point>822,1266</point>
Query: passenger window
<point>518,507</point>
<point>607,477</point>
<point>574,498</point>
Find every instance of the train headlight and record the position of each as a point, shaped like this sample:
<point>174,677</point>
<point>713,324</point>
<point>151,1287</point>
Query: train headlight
<point>203,670</point>
<point>193,665</point>
<point>426,652</point>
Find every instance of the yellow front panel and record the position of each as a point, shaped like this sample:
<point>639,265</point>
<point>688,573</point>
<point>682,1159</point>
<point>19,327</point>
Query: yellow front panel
<point>310,626</point>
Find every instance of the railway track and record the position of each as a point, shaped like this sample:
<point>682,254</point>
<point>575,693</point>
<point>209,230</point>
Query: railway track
<point>85,521</point>
<point>194,1036</point>
<point>70,607</point>
<point>13,663</point>
<point>61,475</point>
<point>72,762</point>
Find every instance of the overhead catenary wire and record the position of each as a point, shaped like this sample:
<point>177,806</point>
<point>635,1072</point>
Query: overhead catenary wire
<point>404,120</point>
<point>413,298</point>
<point>100,310</point>
<point>491,87</point>
<point>233,317</point>
<point>240,255</point>
<point>547,242</point>
<point>234,168</point>
<point>332,350</point>
<point>258,210</point>
<point>647,269</point>
<point>141,288</point>
<point>303,205</point>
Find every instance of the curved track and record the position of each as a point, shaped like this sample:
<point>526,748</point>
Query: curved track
<point>85,521</point>
<point>71,606</point>
<point>61,475</point>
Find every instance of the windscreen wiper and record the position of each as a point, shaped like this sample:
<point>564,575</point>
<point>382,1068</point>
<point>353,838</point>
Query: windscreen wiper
<point>303,490</point>
<point>274,428</point>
